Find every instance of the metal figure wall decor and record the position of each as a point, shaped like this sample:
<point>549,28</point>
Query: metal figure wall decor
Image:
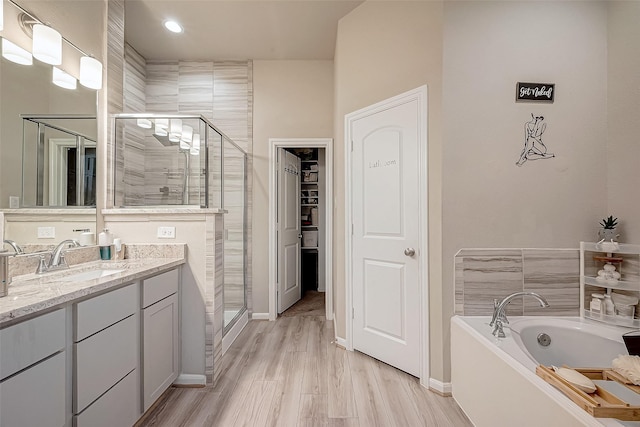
<point>534,148</point>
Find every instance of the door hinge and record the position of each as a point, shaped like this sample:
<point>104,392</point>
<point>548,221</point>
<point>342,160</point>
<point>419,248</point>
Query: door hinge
<point>351,148</point>
<point>352,229</point>
<point>353,312</point>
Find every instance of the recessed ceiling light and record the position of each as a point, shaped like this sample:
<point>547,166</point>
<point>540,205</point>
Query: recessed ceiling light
<point>173,26</point>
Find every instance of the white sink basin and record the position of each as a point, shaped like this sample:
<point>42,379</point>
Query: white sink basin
<point>89,275</point>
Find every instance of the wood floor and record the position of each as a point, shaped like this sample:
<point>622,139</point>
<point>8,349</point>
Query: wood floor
<point>291,373</point>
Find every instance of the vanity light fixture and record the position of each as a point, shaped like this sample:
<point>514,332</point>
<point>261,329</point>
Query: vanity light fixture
<point>64,79</point>
<point>173,26</point>
<point>15,53</point>
<point>47,47</point>
<point>1,15</point>
<point>47,44</point>
<point>90,73</point>
<point>144,123</point>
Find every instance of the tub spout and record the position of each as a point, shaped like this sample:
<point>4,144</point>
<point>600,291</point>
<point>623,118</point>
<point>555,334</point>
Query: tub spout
<point>500,317</point>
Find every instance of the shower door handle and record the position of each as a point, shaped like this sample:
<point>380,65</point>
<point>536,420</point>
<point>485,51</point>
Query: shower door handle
<point>409,252</point>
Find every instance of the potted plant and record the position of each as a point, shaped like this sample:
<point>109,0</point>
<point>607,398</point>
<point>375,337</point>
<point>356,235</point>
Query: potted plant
<point>608,230</point>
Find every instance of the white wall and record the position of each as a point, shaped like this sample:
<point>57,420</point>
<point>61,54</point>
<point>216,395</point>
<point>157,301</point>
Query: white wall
<point>488,201</point>
<point>623,154</point>
<point>382,50</point>
<point>292,99</point>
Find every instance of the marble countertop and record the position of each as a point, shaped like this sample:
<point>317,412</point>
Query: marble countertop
<point>31,293</point>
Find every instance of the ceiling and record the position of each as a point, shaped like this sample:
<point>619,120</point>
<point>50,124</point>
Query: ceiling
<point>235,29</point>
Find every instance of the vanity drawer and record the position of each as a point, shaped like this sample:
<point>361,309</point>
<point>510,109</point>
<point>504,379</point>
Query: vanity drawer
<point>158,287</point>
<point>26,343</point>
<point>117,407</point>
<point>97,313</point>
<point>104,359</point>
<point>36,396</point>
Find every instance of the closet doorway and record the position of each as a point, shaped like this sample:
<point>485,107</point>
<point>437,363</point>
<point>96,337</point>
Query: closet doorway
<point>316,221</point>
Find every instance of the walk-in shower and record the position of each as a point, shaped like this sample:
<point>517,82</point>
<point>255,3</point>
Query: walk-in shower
<point>179,160</point>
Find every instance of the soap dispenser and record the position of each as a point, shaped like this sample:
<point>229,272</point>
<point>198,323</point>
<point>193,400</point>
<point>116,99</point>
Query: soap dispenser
<point>105,240</point>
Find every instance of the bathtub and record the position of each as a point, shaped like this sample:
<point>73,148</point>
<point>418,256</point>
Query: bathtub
<point>494,381</point>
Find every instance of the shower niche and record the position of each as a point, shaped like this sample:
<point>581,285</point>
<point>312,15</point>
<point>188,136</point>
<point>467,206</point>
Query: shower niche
<point>167,160</point>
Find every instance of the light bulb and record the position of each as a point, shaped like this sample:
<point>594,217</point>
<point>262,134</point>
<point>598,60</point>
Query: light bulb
<point>195,145</point>
<point>15,53</point>
<point>47,44</point>
<point>90,73</point>
<point>175,130</point>
<point>145,123</point>
<point>173,26</point>
<point>63,79</point>
<point>187,134</point>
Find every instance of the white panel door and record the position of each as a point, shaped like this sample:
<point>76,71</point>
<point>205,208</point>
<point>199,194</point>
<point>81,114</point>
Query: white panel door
<point>289,275</point>
<point>385,206</point>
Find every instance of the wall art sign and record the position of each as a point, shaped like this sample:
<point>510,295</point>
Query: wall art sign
<point>540,92</point>
<point>534,148</point>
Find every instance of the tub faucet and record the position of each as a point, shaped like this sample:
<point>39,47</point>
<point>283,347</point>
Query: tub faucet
<point>14,245</point>
<point>499,317</point>
<point>57,260</point>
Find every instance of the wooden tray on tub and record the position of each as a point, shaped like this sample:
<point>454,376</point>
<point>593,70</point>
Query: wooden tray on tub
<point>601,403</point>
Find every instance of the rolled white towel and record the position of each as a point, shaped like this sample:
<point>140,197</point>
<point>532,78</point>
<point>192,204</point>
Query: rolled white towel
<point>628,366</point>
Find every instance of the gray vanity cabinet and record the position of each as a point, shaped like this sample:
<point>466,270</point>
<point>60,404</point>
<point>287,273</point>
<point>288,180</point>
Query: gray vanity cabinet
<point>33,372</point>
<point>160,342</point>
<point>106,357</point>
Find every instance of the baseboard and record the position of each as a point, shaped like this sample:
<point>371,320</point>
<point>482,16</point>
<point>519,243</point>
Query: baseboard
<point>341,342</point>
<point>443,389</point>
<point>260,316</point>
<point>190,380</point>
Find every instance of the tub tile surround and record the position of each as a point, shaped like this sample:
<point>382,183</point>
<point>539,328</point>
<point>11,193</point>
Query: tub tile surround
<point>482,275</point>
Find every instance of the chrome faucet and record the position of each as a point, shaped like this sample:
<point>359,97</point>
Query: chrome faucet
<point>499,317</point>
<point>14,245</point>
<point>57,260</point>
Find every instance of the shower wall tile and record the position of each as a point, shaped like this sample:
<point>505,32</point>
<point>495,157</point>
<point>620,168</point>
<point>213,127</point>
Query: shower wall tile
<point>218,316</point>
<point>114,89</point>
<point>555,275</point>
<point>230,106</point>
<point>162,87</point>
<point>195,88</point>
<point>134,81</point>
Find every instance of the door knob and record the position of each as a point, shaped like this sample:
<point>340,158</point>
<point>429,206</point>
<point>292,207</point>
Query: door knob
<point>409,252</point>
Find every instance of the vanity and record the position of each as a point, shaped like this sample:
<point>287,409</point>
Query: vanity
<point>94,345</point>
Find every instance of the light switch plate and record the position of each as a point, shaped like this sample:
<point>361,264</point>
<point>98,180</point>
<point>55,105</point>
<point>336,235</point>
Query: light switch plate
<point>14,202</point>
<point>166,232</point>
<point>46,232</point>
